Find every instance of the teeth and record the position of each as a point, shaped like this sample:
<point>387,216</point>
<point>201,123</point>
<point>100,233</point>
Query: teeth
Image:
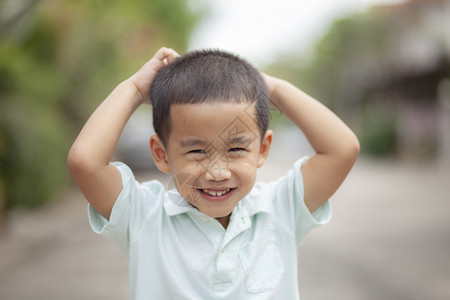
<point>214,193</point>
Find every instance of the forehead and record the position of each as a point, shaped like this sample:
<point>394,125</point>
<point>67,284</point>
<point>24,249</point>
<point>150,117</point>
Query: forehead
<point>208,122</point>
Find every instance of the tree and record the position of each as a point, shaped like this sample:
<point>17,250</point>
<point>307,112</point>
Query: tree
<point>58,59</point>
<point>374,65</point>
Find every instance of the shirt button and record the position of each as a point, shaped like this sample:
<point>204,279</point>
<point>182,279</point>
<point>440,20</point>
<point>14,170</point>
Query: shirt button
<point>205,218</point>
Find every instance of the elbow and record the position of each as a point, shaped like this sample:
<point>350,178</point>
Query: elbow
<point>356,146</point>
<point>352,149</point>
<point>348,150</point>
<point>74,161</point>
<point>77,161</point>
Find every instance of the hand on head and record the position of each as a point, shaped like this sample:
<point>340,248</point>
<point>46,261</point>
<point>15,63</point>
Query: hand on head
<point>143,78</point>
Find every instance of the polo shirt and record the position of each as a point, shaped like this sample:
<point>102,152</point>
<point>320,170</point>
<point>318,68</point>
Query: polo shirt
<point>177,252</point>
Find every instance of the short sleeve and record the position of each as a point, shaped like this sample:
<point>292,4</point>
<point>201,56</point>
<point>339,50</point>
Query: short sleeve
<point>305,221</point>
<point>290,205</point>
<point>135,203</point>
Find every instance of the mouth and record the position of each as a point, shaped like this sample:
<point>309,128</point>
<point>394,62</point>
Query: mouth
<point>215,192</point>
<point>216,195</point>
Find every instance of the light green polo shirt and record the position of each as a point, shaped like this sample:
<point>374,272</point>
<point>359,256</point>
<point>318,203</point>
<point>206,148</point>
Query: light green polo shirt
<point>177,252</point>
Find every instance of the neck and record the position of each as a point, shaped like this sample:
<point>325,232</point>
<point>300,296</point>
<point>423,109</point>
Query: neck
<point>224,221</point>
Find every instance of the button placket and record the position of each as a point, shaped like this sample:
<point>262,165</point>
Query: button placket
<point>227,256</point>
<point>213,230</point>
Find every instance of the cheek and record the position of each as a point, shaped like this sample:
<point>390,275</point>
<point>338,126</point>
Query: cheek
<point>245,170</point>
<point>183,180</point>
<point>186,175</point>
<point>246,163</point>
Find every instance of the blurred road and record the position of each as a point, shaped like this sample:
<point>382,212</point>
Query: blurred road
<point>389,239</point>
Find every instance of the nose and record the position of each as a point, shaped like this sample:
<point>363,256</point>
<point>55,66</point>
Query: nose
<point>217,171</point>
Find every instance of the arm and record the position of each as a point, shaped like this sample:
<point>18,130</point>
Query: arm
<point>90,155</point>
<point>336,146</point>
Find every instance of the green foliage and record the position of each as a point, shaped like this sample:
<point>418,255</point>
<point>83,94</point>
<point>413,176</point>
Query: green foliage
<point>379,132</point>
<point>57,62</point>
<point>345,57</point>
<point>32,130</point>
<point>345,73</point>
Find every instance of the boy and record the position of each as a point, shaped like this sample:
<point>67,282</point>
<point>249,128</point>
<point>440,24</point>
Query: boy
<point>218,235</point>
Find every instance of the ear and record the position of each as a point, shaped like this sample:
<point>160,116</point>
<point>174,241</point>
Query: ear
<point>159,154</point>
<point>265,147</point>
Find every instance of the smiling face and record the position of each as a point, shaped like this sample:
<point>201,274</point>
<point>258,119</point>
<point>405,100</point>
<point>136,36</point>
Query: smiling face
<point>213,152</point>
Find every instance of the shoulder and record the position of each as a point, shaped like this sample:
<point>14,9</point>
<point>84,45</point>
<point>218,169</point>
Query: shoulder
<point>283,197</point>
<point>129,180</point>
<point>290,185</point>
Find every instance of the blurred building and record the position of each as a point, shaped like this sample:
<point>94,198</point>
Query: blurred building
<point>414,74</point>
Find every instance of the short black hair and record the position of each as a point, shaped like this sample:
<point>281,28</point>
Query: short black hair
<point>207,76</point>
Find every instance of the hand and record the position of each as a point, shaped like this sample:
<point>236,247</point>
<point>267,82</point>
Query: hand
<point>143,78</point>
<point>271,83</point>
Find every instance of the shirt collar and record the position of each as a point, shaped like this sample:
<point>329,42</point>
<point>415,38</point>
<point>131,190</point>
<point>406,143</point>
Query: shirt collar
<point>175,204</point>
<point>255,202</point>
<point>258,200</point>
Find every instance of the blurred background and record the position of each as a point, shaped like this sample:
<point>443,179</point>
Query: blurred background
<point>382,65</point>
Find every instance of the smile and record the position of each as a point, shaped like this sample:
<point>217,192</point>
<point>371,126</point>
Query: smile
<point>215,193</point>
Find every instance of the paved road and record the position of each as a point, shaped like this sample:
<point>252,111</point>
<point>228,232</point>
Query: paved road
<point>389,239</point>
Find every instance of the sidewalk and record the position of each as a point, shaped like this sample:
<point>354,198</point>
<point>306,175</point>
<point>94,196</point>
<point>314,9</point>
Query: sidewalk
<point>389,239</point>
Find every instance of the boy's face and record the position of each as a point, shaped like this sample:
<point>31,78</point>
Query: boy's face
<point>213,152</point>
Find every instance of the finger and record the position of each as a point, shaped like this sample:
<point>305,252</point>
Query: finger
<point>165,53</point>
<point>171,55</point>
<point>160,54</point>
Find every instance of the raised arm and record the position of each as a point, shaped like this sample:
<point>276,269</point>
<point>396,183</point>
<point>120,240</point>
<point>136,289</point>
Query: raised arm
<point>336,146</point>
<point>90,155</point>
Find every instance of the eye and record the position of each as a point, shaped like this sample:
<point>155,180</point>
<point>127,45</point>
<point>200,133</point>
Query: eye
<point>196,154</point>
<point>197,151</point>
<point>236,149</point>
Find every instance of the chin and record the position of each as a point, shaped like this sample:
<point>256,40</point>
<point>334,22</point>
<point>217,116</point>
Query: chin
<point>217,214</point>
